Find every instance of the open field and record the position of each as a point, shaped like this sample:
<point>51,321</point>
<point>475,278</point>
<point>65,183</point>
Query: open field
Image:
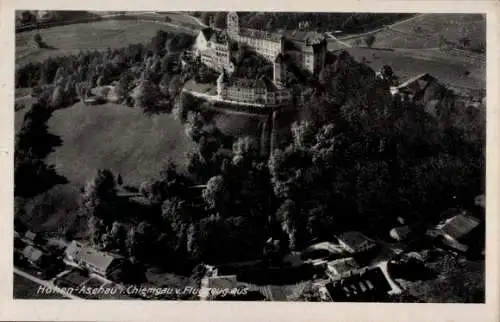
<point>449,68</point>
<point>115,137</point>
<point>118,138</point>
<point>70,39</point>
<point>425,30</point>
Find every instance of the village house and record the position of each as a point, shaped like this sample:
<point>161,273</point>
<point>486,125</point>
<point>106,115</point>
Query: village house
<point>33,255</point>
<point>342,267</point>
<point>461,232</point>
<point>254,91</point>
<point>355,242</point>
<point>371,285</point>
<point>89,258</point>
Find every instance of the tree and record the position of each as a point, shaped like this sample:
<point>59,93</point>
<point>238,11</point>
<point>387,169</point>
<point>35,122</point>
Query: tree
<point>96,228</point>
<point>82,89</point>
<point>99,196</point>
<point>303,134</point>
<point>145,95</point>
<point>57,98</point>
<point>194,126</point>
<point>216,194</point>
<point>370,40</point>
<point>37,38</point>
<point>123,86</point>
<point>59,76</point>
<point>287,214</point>
<point>246,147</point>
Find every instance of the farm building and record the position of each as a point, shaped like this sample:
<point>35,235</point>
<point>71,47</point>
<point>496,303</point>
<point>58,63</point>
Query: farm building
<point>33,255</point>
<point>355,242</point>
<point>372,285</point>
<point>322,250</point>
<point>421,88</point>
<point>93,260</point>
<point>342,267</point>
<point>460,232</point>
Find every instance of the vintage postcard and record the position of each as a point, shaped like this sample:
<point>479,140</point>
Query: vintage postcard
<point>195,160</point>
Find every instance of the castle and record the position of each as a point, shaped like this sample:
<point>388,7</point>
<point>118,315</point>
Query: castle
<point>305,49</point>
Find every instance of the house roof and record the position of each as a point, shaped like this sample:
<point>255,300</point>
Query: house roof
<point>33,254</point>
<point>96,258</point>
<point>261,34</point>
<point>207,33</point>
<point>459,226</point>
<point>89,255</point>
<point>30,235</point>
<point>219,36</point>
<point>343,265</point>
<point>306,37</point>
<point>324,246</point>
<point>426,77</point>
<point>359,284</point>
<point>355,240</point>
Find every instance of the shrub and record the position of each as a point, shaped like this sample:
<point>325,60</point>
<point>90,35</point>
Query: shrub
<point>370,40</point>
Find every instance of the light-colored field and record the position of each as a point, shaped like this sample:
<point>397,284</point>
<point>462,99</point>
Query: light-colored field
<point>425,30</point>
<point>70,39</point>
<point>115,137</point>
<point>449,68</point>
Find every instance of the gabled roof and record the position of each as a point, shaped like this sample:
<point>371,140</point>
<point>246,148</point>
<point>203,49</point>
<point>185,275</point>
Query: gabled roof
<point>349,288</point>
<point>207,33</point>
<point>89,255</point>
<point>219,36</point>
<point>426,77</point>
<point>260,34</point>
<point>459,226</point>
<point>309,37</point>
<point>33,254</point>
<point>96,258</point>
<point>355,240</point>
<point>343,265</point>
<point>324,246</point>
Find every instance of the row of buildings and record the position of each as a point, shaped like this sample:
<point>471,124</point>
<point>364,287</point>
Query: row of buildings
<point>307,49</point>
<point>260,91</point>
<point>213,47</point>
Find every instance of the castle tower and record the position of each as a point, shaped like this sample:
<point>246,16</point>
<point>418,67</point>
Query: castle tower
<point>233,24</point>
<point>211,21</point>
<point>222,85</point>
<point>279,72</point>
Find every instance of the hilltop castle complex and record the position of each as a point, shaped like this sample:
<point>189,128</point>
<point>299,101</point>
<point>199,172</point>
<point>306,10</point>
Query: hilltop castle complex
<point>305,49</point>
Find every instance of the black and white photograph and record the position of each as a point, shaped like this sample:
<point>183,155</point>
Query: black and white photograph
<point>266,156</point>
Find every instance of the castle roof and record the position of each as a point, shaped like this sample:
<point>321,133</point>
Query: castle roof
<point>218,36</point>
<point>308,37</point>
<point>261,34</point>
<point>208,32</point>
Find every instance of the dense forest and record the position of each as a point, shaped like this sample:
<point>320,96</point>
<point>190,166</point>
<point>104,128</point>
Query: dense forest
<point>320,21</point>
